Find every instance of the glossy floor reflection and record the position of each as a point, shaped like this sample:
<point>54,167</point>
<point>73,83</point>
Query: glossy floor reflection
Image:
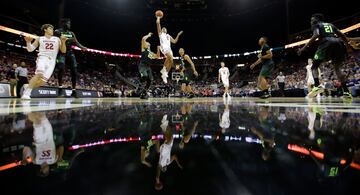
<point>176,146</point>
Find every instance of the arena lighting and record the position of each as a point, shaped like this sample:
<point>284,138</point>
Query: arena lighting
<point>319,155</point>
<point>14,164</point>
<point>10,30</point>
<point>160,137</point>
<point>240,65</point>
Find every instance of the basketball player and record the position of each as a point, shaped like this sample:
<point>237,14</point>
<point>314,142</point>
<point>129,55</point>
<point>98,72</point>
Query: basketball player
<point>224,120</point>
<point>165,47</point>
<point>44,152</point>
<point>69,57</point>
<point>144,65</point>
<point>309,77</point>
<point>265,59</point>
<point>49,47</point>
<point>224,74</point>
<point>188,70</point>
<point>332,46</point>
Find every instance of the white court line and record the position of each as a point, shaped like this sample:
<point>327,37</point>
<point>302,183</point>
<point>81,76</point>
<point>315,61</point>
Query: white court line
<point>329,107</point>
<point>37,108</point>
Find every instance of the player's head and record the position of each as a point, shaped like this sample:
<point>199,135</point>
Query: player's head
<point>222,64</point>
<point>65,23</point>
<point>181,51</point>
<point>164,30</point>
<point>22,64</point>
<point>316,18</point>
<point>281,73</point>
<point>310,61</point>
<point>14,66</point>
<point>263,41</point>
<point>47,29</point>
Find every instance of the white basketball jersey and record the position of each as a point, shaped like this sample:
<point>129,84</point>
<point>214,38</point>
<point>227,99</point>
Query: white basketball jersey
<point>165,154</point>
<point>164,40</point>
<point>225,119</point>
<point>49,47</point>
<point>44,143</point>
<point>224,73</point>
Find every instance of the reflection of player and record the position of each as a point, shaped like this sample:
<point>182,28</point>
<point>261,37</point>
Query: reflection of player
<point>165,47</point>
<point>224,120</point>
<point>265,59</point>
<point>49,47</point>
<point>144,65</point>
<point>165,158</point>
<point>224,74</point>
<point>188,70</point>
<point>264,133</point>
<point>332,44</point>
<point>314,119</point>
<point>44,153</point>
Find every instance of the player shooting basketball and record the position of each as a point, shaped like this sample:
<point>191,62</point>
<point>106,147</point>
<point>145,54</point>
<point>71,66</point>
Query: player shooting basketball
<point>165,46</point>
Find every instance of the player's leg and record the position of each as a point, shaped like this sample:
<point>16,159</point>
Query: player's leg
<point>60,64</point>
<point>183,89</point>
<point>189,90</point>
<point>338,56</point>
<point>167,65</point>
<point>73,72</point>
<point>44,70</point>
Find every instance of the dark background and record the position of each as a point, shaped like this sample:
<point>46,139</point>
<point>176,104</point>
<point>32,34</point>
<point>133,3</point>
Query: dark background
<point>210,26</point>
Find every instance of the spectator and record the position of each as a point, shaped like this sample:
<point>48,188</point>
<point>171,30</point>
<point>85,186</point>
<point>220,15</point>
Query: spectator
<point>21,74</point>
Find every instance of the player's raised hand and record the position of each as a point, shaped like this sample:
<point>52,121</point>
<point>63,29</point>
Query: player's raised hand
<point>180,33</point>
<point>158,19</point>
<point>150,33</point>
<point>28,39</point>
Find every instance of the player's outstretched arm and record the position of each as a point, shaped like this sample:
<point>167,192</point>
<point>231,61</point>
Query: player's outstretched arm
<point>158,26</point>
<point>267,56</point>
<point>158,52</point>
<point>31,46</point>
<point>342,37</point>
<point>316,35</point>
<point>143,41</point>
<point>63,44</point>
<point>77,42</point>
<point>188,59</point>
<point>174,41</point>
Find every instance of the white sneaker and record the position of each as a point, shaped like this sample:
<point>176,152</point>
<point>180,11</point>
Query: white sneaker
<point>25,97</point>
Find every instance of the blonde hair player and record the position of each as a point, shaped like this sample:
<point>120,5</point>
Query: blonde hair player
<point>165,47</point>
<point>224,75</point>
<point>49,47</point>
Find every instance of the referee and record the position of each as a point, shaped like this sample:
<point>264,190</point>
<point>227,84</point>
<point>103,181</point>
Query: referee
<point>281,83</point>
<point>21,74</point>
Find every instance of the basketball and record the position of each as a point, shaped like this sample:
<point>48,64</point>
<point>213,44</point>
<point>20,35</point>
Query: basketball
<point>159,14</point>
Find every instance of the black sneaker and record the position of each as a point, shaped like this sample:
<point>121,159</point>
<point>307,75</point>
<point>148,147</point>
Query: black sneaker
<point>73,94</point>
<point>265,96</point>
